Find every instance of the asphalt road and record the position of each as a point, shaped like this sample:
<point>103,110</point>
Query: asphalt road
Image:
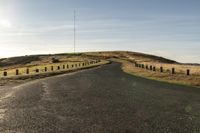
<point>100,100</point>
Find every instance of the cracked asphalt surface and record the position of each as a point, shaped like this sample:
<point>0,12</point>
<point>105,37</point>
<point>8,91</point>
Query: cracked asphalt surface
<point>100,100</point>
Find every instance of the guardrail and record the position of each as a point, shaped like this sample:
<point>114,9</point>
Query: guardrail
<point>160,69</point>
<point>47,69</point>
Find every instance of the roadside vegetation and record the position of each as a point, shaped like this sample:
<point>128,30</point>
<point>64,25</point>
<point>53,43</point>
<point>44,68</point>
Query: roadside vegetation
<point>178,78</point>
<point>128,60</point>
<point>45,66</point>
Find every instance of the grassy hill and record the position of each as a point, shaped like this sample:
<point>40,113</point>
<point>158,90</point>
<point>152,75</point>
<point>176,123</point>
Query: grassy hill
<point>127,58</point>
<point>42,59</point>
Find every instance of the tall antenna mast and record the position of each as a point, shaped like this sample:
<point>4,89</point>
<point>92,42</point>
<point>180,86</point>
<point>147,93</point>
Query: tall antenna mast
<point>74,31</point>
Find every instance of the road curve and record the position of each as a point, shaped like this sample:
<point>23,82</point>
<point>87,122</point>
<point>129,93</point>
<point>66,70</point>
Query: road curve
<point>101,100</point>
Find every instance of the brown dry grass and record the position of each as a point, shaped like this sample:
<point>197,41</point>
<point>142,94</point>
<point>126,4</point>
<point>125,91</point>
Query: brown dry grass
<point>24,78</point>
<point>178,78</point>
<point>150,60</point>
<point>128,59</point>
<point>180,68</point>
<point>42,60</point>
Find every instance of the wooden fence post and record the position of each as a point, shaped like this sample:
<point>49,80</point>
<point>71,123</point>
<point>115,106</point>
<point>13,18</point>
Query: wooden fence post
<point>151,67</point>
<point>17,72</point>
<point>173,70</point>
<point>5,73</point>
<point>188,72</point>
<point>154,68</point>
<point>37,70</point>
<point>27,71</point>
<point>147,67</point>
<point>142,65</point>
<point>45,69</point>
<point>161,69</point>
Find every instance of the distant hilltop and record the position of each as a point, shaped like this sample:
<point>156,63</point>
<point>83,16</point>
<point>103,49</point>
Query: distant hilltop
<point>128,55</point>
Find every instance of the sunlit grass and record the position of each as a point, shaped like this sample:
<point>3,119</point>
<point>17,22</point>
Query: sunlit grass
<point>64,66</point>
<point>179,78</point>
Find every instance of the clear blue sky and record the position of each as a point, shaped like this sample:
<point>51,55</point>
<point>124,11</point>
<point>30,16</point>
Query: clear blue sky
<point>169,28</point>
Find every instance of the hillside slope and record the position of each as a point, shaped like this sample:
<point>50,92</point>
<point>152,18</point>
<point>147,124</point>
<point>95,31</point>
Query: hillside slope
<point>42,59</point>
